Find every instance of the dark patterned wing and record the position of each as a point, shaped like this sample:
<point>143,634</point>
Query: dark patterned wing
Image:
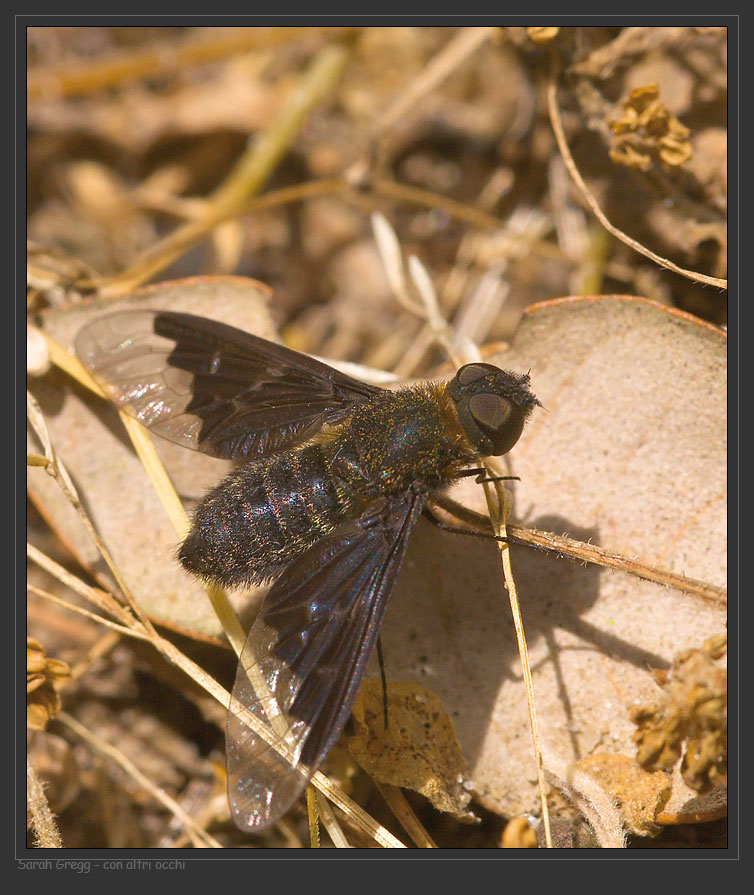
<point>306,655</point>
<point>211,387</point>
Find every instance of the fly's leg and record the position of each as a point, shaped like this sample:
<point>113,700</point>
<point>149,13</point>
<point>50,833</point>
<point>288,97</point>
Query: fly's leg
<point>481,476</point>
<point>453,529</point>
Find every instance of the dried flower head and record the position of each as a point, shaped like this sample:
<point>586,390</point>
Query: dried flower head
<point>44,677</point>
<point>646,131</point>
<point>691,721</point>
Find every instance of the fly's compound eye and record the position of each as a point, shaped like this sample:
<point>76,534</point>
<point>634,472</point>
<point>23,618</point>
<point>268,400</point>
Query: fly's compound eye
<point>499,420</point>
<point>492,406</point>
<point>472,372</point>
<point>490,412</point>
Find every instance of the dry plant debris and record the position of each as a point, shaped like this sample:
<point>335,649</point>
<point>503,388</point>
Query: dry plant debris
<point>542,35</point>
<point>518,833</point>
<point>44,679</point>
<point>646,131</point>
<point>691,720</point>
<point>638,794</point>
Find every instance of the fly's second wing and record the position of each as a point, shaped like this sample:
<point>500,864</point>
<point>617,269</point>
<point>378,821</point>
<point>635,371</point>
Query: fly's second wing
<point>212,387</point>
<point>306,655</point>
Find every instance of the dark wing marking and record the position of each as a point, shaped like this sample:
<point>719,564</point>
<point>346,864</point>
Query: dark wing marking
<point>310,646</point>
<point>212,387</point>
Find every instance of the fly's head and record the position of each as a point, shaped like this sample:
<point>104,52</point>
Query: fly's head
<point>492,406</point>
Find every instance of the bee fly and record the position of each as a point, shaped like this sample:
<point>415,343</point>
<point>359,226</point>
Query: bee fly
<point>336,474</point>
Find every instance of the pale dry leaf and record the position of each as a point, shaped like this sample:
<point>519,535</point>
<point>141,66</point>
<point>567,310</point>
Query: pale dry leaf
<point>418,750</point>
<point>90,439</point>
<point>630,453</point>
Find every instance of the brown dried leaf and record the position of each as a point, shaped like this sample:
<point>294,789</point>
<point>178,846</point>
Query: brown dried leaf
<point>419,750</point>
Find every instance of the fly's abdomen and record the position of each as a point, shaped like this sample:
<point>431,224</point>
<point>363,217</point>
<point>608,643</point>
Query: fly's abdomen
<point>262,516</point>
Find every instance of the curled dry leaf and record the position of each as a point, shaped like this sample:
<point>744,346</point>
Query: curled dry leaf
<point>419,749</point>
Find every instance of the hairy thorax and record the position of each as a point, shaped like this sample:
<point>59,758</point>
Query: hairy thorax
<point>402,439</point>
